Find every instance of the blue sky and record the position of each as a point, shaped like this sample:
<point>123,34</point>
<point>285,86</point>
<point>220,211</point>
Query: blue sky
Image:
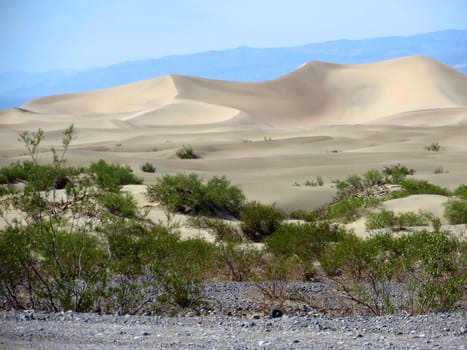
<point>42,35</point>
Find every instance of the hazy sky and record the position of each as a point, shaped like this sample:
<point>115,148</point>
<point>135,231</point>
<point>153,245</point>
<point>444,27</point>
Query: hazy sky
<point>41,35</point>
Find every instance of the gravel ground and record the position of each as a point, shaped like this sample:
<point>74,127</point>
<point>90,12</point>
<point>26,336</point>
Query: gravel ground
<point>237,318</point>
<point>28,330</point>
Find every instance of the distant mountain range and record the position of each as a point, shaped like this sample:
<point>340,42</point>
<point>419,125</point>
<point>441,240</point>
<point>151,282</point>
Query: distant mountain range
<point>240,64</point>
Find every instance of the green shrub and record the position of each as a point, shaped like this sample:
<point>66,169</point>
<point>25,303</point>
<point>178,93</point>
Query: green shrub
<point>40,177</point>
<point>112,177</point>
<point>259,220</point>
<point>412,186</point>
<point>187,152</point>
<point>397,173</point>
<point>119,204</point>
<point>351,186</point>
<point>222,229</point>
<point>350,209</point>
<point>239,262</point>
<point>388,219</point>
<point>188,195</point>
<point>305,241</point>
<point>309,216</point>
<point>456,211</point>
<point>382,219</point>
<point>148,168</point>
<point>461,191</point>
<point>372,178</point>
<point>427,266</point>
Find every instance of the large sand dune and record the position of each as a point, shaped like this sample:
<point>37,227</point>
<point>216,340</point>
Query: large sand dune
<point>322,119</point>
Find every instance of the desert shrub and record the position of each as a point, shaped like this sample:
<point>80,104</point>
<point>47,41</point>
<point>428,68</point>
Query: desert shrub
<point>418,273</point>
<point>259,220</point>
<point>187,194</point>
<point>305,241</point>
<point>53,270</point>
<point>388,219</point>
<point>123,205</point>
<point>455,210</point>
<point>309,216</point>
<point>40,177</point>
<point>372,178</point>
<point>153,269</point>
<point>187,152</point>
<point>439,170</point>
<point>350,209</point>
<point>222,229</point>
<point>239,262</point>
<point>412,186</point>
<point>349,187</point>
<point>148,168</point>
<point>112,177</point>
<point>461,191</point>
<point>397,173</point>
<point>382,219</point>
<point>433,147</point>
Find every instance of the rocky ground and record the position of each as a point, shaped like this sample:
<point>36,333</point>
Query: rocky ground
<point>238,317</point>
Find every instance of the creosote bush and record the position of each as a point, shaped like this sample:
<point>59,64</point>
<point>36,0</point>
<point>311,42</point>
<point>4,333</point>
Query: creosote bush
<point>433,147</point>
<point>187,152</point>
<point>455,210</point>
<point>148,168</point>
<point>112,177</point>
<point>390,220</point>
<point>259,220</point>
<point>188,194</point>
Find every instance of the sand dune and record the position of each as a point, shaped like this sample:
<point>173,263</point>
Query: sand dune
<point>323,119</point>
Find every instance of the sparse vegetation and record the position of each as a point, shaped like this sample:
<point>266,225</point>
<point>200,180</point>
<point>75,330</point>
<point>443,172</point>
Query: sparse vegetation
<point>187,152</point>
<point>387,219</point>
<point>112,177</point>
<point>433,147</point>
<point>456,211</point>
<point>461,191</point>
<point>413,186</point>
<point>148,168</point>
<point>259,220</point>
<point>188,194</point>
<point>90,248</point>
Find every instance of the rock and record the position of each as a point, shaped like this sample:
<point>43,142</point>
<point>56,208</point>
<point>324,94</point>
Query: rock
<point>276,313</point>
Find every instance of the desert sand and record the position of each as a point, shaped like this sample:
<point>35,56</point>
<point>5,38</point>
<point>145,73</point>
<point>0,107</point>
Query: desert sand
<point>322,119</point>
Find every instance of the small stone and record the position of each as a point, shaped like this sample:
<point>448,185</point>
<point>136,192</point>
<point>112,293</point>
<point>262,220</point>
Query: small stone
<point>276,313</point>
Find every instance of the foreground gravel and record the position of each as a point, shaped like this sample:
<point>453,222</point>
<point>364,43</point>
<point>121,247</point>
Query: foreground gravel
<point>37,330</point>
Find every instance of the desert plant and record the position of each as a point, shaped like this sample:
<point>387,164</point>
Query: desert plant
<point>223,230</point>
<point>397,173</point>
<point>259,220</point>
<point>388,219</point>
<point>123,205</point>
<point>187,152</point>
<point>148,168</point>
<point>439,170</point>
<point>305,241</point>
<point>112,177</point>
<point>412,186</point>
<point>417,273</point>
<point>455,210</point>
<point>433,147</point>
<point>461,191</point>
<point>188,194</point>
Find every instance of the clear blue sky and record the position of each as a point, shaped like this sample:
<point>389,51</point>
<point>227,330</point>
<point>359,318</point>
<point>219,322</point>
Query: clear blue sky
<point>41,35</point>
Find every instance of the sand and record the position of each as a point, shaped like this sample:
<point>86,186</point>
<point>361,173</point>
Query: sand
<point>322,119</point>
